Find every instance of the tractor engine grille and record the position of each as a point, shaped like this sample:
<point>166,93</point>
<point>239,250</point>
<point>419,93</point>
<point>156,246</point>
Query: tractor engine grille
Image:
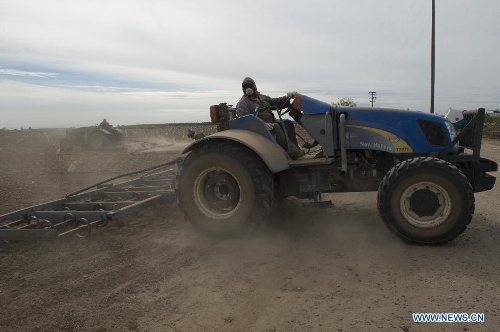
<point>433,132</point>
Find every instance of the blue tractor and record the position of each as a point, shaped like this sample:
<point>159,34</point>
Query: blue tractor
<point>425,172</point>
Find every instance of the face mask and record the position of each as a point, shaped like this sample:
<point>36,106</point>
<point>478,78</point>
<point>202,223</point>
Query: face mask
<point>249,91</point>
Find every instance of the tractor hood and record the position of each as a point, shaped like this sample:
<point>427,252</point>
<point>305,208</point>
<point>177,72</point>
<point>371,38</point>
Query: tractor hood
<point>385,129</point>
<point>397,131</point>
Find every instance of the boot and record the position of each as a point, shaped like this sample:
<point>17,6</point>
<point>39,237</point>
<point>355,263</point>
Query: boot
<point>296,154</point>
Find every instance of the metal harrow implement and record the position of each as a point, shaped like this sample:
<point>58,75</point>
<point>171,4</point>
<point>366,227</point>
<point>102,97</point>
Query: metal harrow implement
<point>92,207</point>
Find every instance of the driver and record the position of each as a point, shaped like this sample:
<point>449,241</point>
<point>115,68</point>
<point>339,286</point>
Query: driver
<point>252,100</point>
<point>105,125</point>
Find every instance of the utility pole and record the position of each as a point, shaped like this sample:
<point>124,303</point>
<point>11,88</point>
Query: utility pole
<point>373,97</point>
<point>433,53</point>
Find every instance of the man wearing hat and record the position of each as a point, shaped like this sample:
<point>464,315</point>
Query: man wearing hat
<point>252,100</point>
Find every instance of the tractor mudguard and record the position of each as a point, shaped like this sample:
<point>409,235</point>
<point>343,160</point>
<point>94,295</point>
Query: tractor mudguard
<point>105,131</point>
<point>271,153</point>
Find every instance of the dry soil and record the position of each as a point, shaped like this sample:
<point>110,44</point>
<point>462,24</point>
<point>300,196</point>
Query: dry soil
<point>338,269</point>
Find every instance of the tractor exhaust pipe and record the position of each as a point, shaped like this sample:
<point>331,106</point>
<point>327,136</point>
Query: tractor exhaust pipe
<point>343,150</point>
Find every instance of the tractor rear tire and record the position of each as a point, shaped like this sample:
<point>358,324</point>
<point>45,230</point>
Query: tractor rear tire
<point>98,140</point>
<point>224,188</point>
<point>426,200</point>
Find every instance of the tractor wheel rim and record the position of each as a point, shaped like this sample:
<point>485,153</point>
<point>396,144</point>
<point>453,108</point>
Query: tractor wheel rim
<point>217,193</point>
<point>425,205</point>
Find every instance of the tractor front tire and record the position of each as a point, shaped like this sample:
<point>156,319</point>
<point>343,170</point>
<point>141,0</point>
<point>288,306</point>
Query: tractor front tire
<point>98,140</point>
<point>426,200</point>
<point>223,188</point>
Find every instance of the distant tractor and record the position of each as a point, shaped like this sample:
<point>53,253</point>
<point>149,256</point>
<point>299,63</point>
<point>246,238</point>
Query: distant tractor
<point>95,138</point>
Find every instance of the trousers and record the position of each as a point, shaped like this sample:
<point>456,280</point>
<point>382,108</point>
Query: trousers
<point>291,146</point>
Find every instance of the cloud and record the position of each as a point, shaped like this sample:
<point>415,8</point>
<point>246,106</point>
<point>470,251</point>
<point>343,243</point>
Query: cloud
<point>27,105</point>
<point>15,72</point>
<point>127,52</point>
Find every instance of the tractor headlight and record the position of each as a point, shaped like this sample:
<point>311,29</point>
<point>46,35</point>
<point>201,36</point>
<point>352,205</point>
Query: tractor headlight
<point>451,130</point>
<point>453,133</point>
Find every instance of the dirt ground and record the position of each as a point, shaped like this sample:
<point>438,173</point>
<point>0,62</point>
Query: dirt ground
<point>338,269</point>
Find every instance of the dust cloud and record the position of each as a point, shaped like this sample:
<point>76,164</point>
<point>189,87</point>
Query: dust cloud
<point>154,144</point>
<point>162,138</point>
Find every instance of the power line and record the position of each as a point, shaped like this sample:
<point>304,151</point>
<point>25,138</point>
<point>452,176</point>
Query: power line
<point>373,97</point>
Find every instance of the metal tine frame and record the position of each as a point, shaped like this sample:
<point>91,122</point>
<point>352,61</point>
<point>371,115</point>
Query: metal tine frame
<point>82,212</point>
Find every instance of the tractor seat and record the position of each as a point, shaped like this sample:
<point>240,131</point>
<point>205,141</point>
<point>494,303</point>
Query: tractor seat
<point>252,123</point>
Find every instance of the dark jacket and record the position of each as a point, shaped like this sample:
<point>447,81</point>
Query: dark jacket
<point>247,105</point>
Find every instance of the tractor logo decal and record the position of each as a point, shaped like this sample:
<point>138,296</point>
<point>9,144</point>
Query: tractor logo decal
<point>351,139</point>
<point>394,139</point>
<point>373,138</point>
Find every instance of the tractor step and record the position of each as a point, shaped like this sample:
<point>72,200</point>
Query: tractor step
<point>317,205</point>
<point>311,161</point>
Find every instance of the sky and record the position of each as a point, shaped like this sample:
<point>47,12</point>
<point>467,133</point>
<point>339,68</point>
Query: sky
<point>71,63</point>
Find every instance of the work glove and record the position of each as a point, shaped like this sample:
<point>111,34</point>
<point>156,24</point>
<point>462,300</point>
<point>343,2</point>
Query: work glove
<point>269,125</point>
<point>291,94</point>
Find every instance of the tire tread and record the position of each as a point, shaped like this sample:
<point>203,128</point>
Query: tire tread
<point>418,162</point>
<point>260,174</point>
